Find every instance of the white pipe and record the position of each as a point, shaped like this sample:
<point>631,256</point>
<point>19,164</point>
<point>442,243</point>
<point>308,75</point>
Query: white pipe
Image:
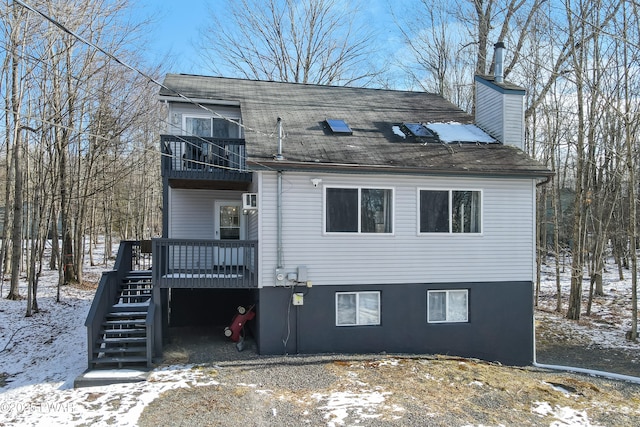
<point>279,155</point>
<point>279,219</point>
<point>499,62</point>
<point>592,372</point>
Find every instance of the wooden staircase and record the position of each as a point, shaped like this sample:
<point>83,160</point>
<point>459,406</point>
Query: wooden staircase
<point>122,341</point>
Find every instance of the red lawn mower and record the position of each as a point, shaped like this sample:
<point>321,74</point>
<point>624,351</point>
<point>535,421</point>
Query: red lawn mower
<point>235,330</point>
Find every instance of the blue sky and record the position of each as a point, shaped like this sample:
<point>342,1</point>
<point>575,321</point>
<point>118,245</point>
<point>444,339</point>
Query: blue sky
<point>177,22</point>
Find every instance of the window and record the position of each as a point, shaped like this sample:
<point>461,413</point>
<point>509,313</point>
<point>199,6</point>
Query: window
<point>450,211</point>
<point>357,308</point>
<point>448,306</point>
<point>358,210</point>
<point>210,127</point>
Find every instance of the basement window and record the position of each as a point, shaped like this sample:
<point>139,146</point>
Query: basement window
<point>339,126</point>
<point>357,308</point>
<point>448,306</point>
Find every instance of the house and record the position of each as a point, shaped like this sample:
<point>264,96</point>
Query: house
<point>352,220</point>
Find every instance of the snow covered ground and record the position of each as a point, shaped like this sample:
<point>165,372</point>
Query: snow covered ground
<point>610,316</point>
<point>41,356</point>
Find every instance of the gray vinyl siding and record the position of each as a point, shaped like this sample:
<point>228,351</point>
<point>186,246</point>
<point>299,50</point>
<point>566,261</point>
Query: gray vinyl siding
<point>253,219</point>
<point>503,252</point>
<point>191,212</point>
<point>490,114</point>
<point>513,120</point>
<point>500,114</point>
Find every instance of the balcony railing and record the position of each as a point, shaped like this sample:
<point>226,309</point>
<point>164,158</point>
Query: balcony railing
<point>193,157</point>
<point>190,263</point>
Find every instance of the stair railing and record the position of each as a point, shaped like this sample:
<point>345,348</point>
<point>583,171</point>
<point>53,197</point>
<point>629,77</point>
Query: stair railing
<point>149,322</point>
<point>107,294</point>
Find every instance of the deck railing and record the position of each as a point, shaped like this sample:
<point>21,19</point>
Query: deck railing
<point>192,263</point>
<point>192,157</point>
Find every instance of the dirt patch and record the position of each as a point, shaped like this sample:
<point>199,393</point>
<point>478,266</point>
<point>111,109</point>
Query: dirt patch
<point>394,391</point>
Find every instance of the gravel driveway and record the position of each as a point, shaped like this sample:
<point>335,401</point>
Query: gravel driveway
<point>380,390</point>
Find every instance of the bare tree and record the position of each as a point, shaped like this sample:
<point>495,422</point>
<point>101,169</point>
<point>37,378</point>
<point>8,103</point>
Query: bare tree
<point>307,41</point>
<point>69,108</point>
<point>631,128</point>
<point>17,42</point>
<point>436,58</point>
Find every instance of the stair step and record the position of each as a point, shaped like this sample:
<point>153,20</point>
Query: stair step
<point>122,340</point>
<point>130,302</point>
<point>140,279</point>
<point>121,359</point>
<point>132,349</point>
<point>136,322</point>
<point>130,307</point>
<point>136,288</point>
<point>134,280</point>
<point>136,291</point>
<point>128,332</point>
<point>135,315</point>
<point>135,294</point>
<point>140,272</point>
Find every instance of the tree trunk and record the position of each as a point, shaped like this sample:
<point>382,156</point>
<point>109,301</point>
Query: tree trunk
<point>16,229</point>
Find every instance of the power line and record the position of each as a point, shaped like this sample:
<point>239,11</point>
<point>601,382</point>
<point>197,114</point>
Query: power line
<point>134,69</point>
<point>147,77</point>
<point>156,151</point>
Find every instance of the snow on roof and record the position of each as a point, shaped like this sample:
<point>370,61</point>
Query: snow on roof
<point>457,132</point>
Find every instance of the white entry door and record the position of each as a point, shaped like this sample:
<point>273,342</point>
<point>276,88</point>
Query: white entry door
<point>229,225</point>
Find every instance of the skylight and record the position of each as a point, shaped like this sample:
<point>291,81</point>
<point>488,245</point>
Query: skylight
<point>419,130</point>
<point>339,126</point>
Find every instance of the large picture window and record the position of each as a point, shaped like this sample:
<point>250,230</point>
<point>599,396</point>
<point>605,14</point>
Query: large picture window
<point>450,211</point>
<point>357,308</point>
<point>358,210</point>
<point>448,306</point>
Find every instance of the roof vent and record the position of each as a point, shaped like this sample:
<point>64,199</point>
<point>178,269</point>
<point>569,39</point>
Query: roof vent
<point>339,126</point>
<point>499,62</point>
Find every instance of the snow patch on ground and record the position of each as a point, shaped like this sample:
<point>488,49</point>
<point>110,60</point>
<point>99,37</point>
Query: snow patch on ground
<point>562,415</point>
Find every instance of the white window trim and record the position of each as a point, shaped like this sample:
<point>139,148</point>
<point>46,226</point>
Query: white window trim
<point>447,292</point>
<point>359,232</point>
<point>450,232</point>
<point>357,294</point>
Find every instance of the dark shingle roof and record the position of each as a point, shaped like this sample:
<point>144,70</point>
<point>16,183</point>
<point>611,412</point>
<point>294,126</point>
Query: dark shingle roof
<point>370,113</point>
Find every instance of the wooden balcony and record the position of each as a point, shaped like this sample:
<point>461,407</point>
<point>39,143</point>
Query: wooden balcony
<point>190,263</point>
<point>199,158</point>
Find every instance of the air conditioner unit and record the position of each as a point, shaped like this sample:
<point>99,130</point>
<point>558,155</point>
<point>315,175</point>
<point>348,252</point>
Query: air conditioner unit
<point>249,201</point>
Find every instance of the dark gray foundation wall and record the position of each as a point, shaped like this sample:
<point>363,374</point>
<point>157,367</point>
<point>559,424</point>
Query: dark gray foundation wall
<point>500,326</point>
